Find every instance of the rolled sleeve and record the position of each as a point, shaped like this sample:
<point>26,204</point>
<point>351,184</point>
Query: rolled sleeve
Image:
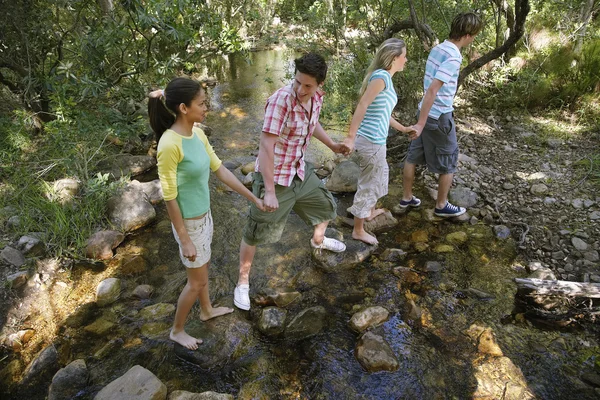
<point>276,112</point>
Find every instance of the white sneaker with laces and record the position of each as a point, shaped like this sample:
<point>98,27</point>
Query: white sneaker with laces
<point>241,298</point>
<point>329,244</point>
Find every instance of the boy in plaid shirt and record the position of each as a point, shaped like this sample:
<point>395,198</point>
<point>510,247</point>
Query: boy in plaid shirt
<point>282,178</point>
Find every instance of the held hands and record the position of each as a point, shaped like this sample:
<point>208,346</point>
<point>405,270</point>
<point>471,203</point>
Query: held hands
<point>259,204</point>
<point>348,146</point>
<point>270,202</point>
<point>414,131</point>
<point>341,148</point>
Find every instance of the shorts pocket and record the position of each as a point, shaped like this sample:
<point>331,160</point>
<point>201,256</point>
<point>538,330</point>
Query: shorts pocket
<point>447,159</point>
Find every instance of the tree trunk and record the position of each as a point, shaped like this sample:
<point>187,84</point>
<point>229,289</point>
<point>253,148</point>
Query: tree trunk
<point>585,17</point>
<point>522,9</point>
<point>558,303</point>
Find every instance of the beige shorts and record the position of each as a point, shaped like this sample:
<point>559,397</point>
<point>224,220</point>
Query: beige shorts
<point>201,233</point>
<point>373,178</point>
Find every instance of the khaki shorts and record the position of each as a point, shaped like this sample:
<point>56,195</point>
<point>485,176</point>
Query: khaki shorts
<point>201,233</point>
<point>309,199</point>
<point>437,146</point>
<point>373,179</point>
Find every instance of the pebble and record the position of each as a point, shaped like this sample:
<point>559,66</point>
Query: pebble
<point>508,186</point>
<point>579,244</point>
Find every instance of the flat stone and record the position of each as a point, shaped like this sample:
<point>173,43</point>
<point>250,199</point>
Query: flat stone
<point>443,248</point>
<point>155,329</point>
<point>433,266</point>
<point>393,255</point>
<point>12,256</point>
<point>579,244</point>
<point>508,186</point>
<point>419,236</point>
<point>100,327</point>
<point>137,384</point>
<point>538,189</point>
<point>306,323</point>
<point>592,256</point>
<point>369,317</point>
<point>101,244</point>
<point>383,221</point>
<point>457,238</point>
<point>375,354</point>
<point>143,291</point>
<point>183,395</point>
<point>463,197</point>
<point>157,311</point>
<point>501,231</point>
<point>356,252</point>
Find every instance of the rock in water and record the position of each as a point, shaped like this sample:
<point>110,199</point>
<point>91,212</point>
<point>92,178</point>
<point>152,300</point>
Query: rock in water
<point>356,252</point>
<point>375,354</point>
<point>371,316</point>
<point>137,383</point>
<point>306,323</point>
<point>101,244</point>
<point>272,321</point>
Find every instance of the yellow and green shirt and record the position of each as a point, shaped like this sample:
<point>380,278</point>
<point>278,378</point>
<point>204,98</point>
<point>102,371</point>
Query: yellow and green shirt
<point>184,165</point>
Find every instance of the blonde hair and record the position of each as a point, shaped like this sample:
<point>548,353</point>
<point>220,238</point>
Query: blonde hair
<point>384,57</point>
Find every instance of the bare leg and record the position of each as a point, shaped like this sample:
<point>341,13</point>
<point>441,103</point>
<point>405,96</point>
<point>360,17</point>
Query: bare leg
<point>207,311</point>
<point>187,298</point>
<point>374,213</point>
<point>408,178</point>
<point>247,253</point>
<point>444,184</point>
<point>359,232</point>
<point>319,232</point>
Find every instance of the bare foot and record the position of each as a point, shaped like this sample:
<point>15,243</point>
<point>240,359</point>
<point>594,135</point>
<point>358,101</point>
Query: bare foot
<point>375,213</point>
<point>364,237</point>
<point>185,340</point>
<point>215,312</point>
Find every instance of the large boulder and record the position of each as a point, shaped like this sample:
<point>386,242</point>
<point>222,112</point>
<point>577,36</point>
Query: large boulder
<point>130,209</point>
<point>224,340</point>
<point>127,164</point>
<point>463,197</point>
<point>68,381</point>
<point>375,354</point>
<point>45,363</point>
<point>356,252</point>
<point>152,189</point>
<point>137,383</point>
<point>344,177</point>
<point>101,244</point>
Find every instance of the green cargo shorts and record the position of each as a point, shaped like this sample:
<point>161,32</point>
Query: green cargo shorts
<point>309,199</point>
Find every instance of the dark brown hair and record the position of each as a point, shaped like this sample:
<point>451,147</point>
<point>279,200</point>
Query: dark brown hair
<point>312,64</point>
<point>465,24</point>
<point>163,109</point>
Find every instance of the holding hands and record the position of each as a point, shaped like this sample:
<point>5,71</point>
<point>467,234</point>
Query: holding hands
<point>413,131</point>
<point>270,202</point>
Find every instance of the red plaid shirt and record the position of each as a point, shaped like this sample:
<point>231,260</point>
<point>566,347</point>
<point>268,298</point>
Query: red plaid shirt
<point>286,118</point>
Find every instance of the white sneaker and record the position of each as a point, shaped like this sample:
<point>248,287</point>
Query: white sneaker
<point>241,298</point>
<point>329,244</point>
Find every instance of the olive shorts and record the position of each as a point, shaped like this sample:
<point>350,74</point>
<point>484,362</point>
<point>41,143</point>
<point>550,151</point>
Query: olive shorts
<point>437,146</point>
<point>309,199</point>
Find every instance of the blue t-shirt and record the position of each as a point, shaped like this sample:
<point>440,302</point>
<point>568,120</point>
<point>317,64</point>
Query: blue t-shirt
<point>376,123</point>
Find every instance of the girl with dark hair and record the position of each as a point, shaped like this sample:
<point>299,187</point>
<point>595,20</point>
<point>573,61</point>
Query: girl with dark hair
<point>370,122</point>
<point>185,158</point>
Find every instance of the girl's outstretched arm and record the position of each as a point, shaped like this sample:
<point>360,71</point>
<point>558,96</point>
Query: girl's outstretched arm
<point>228,178</point>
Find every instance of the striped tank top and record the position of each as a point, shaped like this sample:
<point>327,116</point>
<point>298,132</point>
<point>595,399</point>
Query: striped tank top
<point>376,123</point>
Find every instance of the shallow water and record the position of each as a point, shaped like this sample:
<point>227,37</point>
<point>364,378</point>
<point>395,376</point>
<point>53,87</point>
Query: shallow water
<point>437,359</point>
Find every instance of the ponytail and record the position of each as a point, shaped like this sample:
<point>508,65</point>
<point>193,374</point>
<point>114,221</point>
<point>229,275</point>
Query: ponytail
<point>163,105</point>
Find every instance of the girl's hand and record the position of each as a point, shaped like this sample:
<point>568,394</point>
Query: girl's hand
<point>189,251</point>
<point>259,203</point>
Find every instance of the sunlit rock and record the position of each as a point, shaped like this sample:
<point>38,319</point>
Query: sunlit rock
<point>306,323</point>
<point>419,236</point>
<point>538,189</point>
<point>344,177</point>
<point>356,252</point>
<point>249,167</point>
<point>64,190</point>
<point>485,340</point>
<point>499,378</point>
<point>272,321</point>
<point>443,248</point>
<point>157,311</point>
<point>101,244</point>
<point>68,381</point>
<point>369,317</point>
<point>183,395</point>
<point>18,279</point>
<point>137,384</point>
<point>130,209</point>
<point>17,340</point>
<point>375,354</point>
<point>108,291</point>
<point>224,340</point>
<point>155,329</point>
